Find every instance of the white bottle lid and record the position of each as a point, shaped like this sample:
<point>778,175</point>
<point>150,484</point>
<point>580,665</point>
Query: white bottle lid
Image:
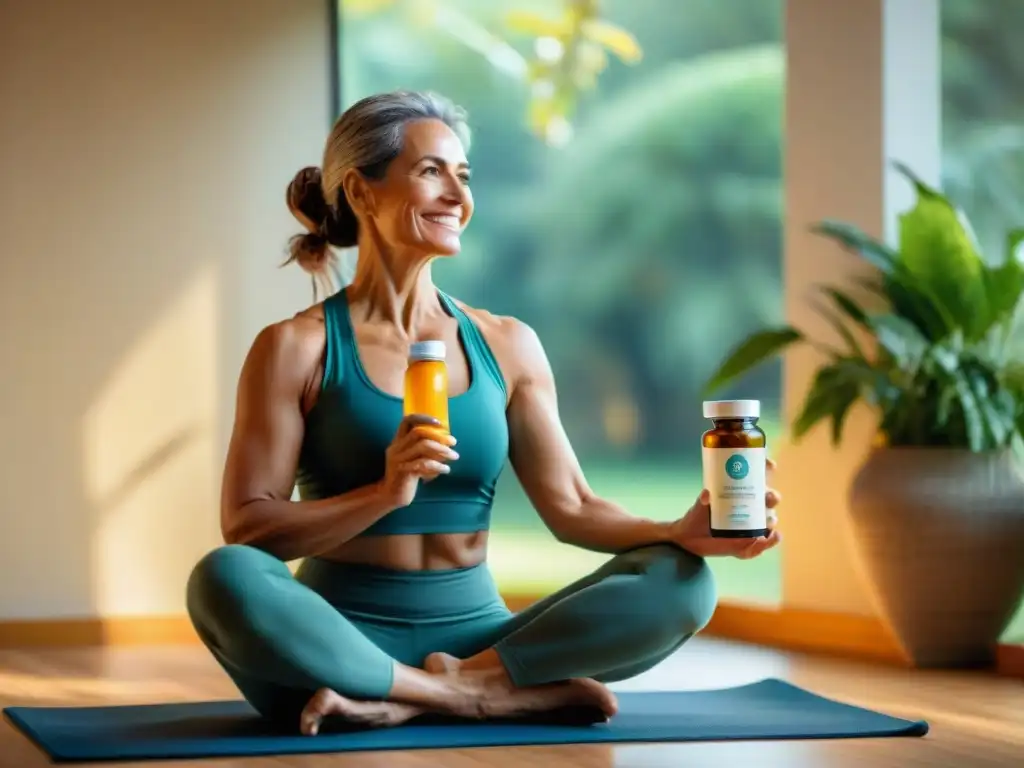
<point>427,350</point>
<point>732,409</point>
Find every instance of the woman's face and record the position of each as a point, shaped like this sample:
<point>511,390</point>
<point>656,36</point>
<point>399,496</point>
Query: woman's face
<point>423,202</point>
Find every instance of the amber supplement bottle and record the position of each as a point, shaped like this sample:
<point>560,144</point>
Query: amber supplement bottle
<point>426,382</point>
<point>734,469</point>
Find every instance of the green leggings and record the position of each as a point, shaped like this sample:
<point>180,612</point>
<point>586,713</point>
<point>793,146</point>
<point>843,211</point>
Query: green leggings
<point>281,637</point>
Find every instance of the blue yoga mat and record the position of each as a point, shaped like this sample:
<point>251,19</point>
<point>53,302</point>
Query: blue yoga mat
<point>769,709</point>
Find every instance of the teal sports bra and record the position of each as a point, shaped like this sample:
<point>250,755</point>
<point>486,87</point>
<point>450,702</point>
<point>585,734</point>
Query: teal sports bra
<point>353,423</point>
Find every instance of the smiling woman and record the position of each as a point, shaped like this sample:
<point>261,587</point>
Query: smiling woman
<point>394,611</point>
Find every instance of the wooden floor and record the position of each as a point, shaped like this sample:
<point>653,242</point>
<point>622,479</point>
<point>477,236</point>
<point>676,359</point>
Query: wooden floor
<point>976,720</point>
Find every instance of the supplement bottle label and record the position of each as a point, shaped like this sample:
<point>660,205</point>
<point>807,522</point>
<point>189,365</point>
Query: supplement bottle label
<point>735,478</point>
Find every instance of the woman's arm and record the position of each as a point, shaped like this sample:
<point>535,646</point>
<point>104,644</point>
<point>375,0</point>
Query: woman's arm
<point>259,475</point>
<point>551,475</point>
<point>547,466</point>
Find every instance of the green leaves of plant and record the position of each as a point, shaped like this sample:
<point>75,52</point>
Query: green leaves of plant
<point>833,392</point>
<point>848,306</point>
<point>851,310</point>
<point>939,252</point>
<point>947,364</point>
<point>752,352</point>
<point>901,339</point>
<point>907,295</point>
<point>1004,283</point>
<point>1015,245</point>
<point>989,411</point>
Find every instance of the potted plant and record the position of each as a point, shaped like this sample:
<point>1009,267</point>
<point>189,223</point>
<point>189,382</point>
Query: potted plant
<point>936,350</point>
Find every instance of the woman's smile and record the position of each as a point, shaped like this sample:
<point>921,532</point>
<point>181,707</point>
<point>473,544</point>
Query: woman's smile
<point>448,221</point>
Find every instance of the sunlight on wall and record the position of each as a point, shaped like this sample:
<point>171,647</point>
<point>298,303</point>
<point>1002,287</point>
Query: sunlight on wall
<point>150,456</point>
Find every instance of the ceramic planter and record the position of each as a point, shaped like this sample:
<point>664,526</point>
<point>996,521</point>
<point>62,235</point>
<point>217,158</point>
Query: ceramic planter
<point>940,537</point>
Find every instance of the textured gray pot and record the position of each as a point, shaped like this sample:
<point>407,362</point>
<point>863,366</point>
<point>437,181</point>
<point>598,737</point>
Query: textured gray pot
<point>940,536</point>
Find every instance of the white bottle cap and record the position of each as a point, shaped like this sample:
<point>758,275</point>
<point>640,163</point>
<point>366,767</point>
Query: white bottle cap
<point>427,350</point>
<point>732,409</point>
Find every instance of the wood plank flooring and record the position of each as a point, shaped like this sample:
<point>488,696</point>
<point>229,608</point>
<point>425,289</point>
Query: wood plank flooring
<point>977,720</point>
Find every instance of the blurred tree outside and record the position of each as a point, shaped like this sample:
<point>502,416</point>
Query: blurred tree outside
<point>983,114</point>
<point>628,184</point>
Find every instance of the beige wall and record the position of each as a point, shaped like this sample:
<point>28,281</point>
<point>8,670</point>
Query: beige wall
<point>144,152</point>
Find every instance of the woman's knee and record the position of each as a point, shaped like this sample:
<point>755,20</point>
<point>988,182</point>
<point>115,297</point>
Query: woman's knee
<point>222,579</point>
<point>683,585</point>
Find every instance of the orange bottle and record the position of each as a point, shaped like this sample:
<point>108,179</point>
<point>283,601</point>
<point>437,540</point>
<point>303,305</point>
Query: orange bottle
<point>426,382</point>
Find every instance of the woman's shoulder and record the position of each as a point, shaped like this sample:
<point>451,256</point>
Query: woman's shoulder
<point>514,342</point>
<point>503,328</point>
<point>292,346</point>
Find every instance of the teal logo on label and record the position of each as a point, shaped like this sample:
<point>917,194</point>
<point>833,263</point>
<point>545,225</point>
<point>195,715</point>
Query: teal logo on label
<point>736,467</point>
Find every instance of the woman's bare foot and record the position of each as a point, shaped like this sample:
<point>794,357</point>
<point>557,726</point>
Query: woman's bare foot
<point>476,690</point>
<point>374,714</point>
<point>494,695</point>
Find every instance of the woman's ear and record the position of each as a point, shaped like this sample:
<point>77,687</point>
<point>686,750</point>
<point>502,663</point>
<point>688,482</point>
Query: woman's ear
<point>358,193</point>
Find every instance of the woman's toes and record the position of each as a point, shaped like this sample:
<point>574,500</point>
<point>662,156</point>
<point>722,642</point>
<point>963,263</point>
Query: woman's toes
<point>315,710</point>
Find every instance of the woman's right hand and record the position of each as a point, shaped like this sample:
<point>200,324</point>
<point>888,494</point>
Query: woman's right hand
<point>420,450</point>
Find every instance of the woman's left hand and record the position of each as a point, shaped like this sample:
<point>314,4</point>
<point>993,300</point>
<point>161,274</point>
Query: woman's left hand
<point>693,531</point>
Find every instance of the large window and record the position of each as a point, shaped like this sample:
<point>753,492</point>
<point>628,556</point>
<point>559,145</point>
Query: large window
<point>639,233</point>
<point>983,126</point>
